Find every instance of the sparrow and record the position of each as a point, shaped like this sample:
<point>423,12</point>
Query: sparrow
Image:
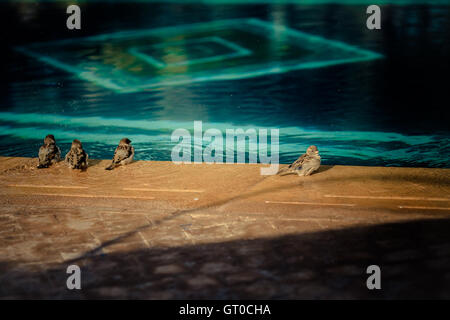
<point>49,152</point>
<point>76,158</point>
<point>305,165</point>
<point>123,155</point>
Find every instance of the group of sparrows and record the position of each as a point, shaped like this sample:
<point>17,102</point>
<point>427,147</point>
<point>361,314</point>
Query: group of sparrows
<point>77,158</point>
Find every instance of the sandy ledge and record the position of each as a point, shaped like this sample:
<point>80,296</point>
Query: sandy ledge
<point>160,230</point>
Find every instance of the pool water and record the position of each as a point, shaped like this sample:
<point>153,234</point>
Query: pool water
<point>315,72</point>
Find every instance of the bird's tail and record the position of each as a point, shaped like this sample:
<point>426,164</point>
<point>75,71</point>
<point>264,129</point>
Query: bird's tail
<point>285,171</point>
<point>110,167</point>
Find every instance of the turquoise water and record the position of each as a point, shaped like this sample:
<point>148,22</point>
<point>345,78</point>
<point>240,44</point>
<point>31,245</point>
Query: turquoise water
<point>316,74</point>
<point>139,60</point>
<point>153,138</point>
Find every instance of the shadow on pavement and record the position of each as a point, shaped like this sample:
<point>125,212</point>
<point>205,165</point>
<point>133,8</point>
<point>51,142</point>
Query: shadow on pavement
<point>414,258</point>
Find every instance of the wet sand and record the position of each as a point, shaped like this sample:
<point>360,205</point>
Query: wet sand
<point>156,230</point>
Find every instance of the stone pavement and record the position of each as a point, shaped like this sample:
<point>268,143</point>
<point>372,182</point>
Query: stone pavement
<point>155,230</point>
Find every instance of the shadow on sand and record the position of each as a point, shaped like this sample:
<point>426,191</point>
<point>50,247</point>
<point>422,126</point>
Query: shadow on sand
<point>414,258</point>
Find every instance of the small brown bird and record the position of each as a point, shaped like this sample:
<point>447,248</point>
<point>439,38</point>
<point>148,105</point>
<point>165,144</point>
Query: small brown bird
<point>49,152</point>
<point>76,158</point>
<point>305,165</point>
<point>123,155</point>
